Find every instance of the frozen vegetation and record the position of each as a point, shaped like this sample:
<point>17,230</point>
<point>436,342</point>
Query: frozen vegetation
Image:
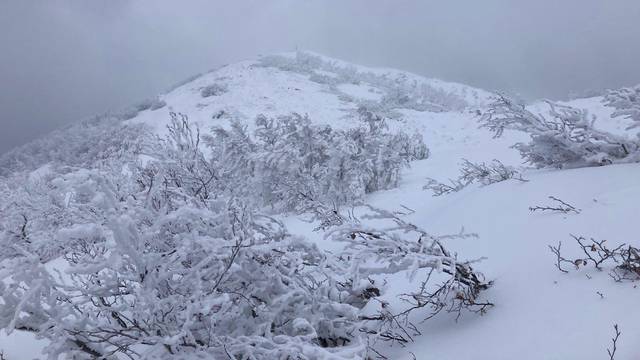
<point>299,207</point>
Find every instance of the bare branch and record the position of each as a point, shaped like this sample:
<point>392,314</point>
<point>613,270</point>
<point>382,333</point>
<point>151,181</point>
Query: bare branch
<point>614,341</point>
<point>560,206</point>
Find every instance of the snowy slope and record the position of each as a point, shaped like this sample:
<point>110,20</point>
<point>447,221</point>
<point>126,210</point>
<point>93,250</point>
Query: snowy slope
<point>329,92</point>
<point>540,313</point>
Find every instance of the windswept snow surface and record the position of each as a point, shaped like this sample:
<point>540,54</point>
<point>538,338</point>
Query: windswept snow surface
<point>539,313</point>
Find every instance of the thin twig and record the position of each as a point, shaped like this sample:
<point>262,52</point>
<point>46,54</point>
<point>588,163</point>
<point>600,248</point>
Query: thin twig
<point>614,340</point>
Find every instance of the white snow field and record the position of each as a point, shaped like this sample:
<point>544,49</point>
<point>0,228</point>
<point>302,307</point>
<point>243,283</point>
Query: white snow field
<point>539,312</point>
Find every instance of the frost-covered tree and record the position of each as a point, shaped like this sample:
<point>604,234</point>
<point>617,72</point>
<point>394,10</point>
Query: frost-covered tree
<point>566,137</point>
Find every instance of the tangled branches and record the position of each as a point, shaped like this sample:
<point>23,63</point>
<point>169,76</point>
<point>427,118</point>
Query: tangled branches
<point>402,246</point>
<point>625,257</point>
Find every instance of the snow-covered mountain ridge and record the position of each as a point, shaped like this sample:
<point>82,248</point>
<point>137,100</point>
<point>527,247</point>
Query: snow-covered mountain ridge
<point>328,90</point>
<point>539,312</point>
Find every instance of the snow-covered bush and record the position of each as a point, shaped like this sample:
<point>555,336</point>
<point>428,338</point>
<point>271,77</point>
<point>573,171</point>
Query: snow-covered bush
<point>303,62</point>
<point>160,262</point>
<point>626,101</point>
<point>148,104</point>
<point>474,172</point>
<point>36,210</point>
<point>213,90</point>
<point>289,159</point>
<point>400,90</point>
<point>157,104</point>
<point>564,138</point>
<point>402,93</point>
<point>168,283</point>
<point>90,143</point>
<point>324,79</point>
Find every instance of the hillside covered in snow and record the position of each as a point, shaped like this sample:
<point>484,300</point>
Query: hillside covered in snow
<point>298,206</point>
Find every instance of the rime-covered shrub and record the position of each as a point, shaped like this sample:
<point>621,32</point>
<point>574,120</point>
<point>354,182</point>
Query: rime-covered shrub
<point>303,62</point>
<point>566,137</point>
<point>487,174</point>
<point>324,79</point>
<point>36,210</point>
<point>402,93</point>
<point>148,104</point>
<point>90,143</point>
<point>213,90</point>
<point>289,159</point>
<point>157,104</point>
<point>171,283</point>
<point>400,90</point>
<point>626,101</point>
<point>159,262</point>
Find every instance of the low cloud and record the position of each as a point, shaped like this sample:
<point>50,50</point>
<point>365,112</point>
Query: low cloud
<point>64,60</point>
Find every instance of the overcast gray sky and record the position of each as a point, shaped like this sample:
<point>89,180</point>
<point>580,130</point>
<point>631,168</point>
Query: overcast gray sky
<point>64,60</point>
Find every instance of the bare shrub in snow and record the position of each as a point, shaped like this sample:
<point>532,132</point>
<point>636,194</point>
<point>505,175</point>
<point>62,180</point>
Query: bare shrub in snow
<point>439,188</point>
<point>213,90</point>
<point>625,258</point>
<point>559,206</point>
<point>485,174</point>
<point>564,138</point>
<point>626,101</point>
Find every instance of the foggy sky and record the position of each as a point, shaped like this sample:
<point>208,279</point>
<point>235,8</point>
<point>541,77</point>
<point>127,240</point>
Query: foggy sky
<point>61,61</point>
